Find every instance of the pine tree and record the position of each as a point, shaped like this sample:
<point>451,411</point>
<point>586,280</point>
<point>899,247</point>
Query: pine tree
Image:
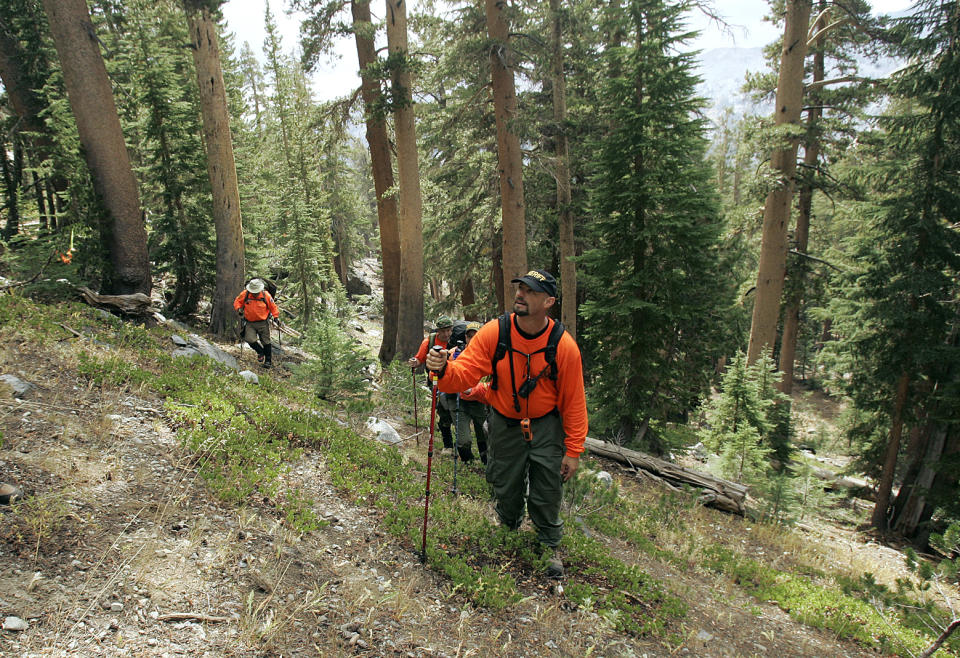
<point>174,183</point>
<point>895,306</point>
<point>655,307</point>
<point>738,421</point>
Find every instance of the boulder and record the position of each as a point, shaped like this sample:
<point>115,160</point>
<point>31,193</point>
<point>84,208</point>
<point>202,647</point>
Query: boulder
<point>196,345</point>
<point>17,385</point>
<point>357,284</point>
<point>384,431</point>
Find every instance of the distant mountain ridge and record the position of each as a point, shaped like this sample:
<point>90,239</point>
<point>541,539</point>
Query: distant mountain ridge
<point>723,72</point>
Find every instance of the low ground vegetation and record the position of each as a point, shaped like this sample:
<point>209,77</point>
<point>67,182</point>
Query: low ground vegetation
<point>648,570</point>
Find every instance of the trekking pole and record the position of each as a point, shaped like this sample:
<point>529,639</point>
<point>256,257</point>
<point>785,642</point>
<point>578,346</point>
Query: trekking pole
<point>279,334</point>
<point>456,446</point>
<point>416,417</point>
<point>426,500</point>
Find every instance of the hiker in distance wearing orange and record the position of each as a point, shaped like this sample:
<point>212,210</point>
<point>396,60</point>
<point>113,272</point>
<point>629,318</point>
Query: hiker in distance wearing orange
<point>440,338</point>
<point>256,307</point>
<point>538,421</point>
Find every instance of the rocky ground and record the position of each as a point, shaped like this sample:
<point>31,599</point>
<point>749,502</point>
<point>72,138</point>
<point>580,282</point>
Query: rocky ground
<point>121,550</point>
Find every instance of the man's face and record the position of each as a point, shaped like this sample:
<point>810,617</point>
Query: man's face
<point>529,302</point>
<point>443,335</point>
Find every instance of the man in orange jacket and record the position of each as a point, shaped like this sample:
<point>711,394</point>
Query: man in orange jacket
<point>440,338</point>
<point>539,412</point>
<point>256,307</point>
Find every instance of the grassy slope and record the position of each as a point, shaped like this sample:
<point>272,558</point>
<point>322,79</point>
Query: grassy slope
<point>244,438</point>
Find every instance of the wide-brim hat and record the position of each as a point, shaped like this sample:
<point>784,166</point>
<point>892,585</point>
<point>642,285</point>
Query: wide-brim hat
<point>539,281</point>
<point>255,286</point>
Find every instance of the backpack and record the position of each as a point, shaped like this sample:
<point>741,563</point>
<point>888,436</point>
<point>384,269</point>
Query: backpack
<point>504,346</point>
<point>268,285</point>
<point>458,337</point>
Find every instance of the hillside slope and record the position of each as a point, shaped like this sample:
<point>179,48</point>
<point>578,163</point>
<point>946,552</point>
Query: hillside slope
<point>140,536</point>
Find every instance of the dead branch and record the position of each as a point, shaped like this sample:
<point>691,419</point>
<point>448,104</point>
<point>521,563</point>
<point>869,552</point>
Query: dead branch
<point>193,616</point>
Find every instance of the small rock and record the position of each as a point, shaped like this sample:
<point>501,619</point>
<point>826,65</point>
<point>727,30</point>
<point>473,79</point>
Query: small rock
<point>151,642</point>
<point>116,606</point>
<point>77,564</point>
<point>250,377</point>
<point>15,624</point>
<point>179,341</point>
<point>19,387</point>
<point>704,636</point>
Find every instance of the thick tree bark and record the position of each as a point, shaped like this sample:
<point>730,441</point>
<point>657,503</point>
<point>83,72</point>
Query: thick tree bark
<point>885,486</point>
<point>25,101</point>
<point>811,155</point>
<point>221,167</point>
<point>911,502</point>
<point>468,298</point>
<point>776,211</point>
<point>380,163</point>
<point>568,271</point>
<point>98,126</point>
<point>509,157</point>
<point>11,182</point>
<point>410,321</point>
<point>500,284</point>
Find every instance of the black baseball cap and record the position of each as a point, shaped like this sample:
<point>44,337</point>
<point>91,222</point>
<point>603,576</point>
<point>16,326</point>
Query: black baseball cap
<point>539,281</point>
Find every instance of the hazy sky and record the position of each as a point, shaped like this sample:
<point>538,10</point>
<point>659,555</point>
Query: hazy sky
<point>333,79</point>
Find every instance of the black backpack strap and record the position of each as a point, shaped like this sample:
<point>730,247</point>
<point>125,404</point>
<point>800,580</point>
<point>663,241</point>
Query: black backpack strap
<point>503,346</point>
<point>550,352</point>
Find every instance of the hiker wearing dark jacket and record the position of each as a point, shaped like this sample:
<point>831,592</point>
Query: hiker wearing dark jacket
<point>538,421</point>
<point>256,307</point>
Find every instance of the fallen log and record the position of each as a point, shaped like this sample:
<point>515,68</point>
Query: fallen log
<point>134,304</point>
<point>715,492</point>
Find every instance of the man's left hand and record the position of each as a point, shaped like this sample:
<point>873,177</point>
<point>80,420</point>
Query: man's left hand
<point>568,467</point>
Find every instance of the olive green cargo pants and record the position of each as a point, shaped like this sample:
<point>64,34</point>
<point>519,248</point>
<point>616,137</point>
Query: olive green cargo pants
<point>512,462</point>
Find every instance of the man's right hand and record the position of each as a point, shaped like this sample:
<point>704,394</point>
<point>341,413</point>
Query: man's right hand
<point>436,359</point>
<point>413,362</point>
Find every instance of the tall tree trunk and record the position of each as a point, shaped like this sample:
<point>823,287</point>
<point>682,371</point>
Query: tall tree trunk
<point>568,271</point>
<point>811,155</point>
<point>509,157</point>
<point>380,163</point>
<point>410,321</point>
<point>11,183</point>
<point>776,211</point>
<point>221,167</point>
<point>52,205</point>
<point>40,201</point>
<point>885,486</point>
<point>25,101</point>
<point>500,283</point>
<point>468,298</point>
<point>98,126</point>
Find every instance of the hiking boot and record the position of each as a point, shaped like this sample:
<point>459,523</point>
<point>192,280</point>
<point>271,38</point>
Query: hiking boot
<point>554,563</point>
<point>8,493</point>
<point>268,355</point>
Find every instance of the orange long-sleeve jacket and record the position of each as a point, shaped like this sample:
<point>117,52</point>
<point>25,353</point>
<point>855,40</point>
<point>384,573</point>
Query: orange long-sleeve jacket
<point>421,354</point>
<point>566,394</point>
<point>256,307</point>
